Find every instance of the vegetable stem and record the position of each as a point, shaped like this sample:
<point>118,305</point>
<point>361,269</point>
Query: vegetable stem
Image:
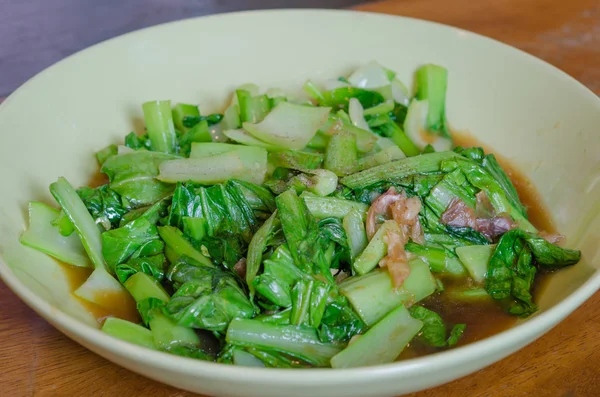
<point>159,123</point>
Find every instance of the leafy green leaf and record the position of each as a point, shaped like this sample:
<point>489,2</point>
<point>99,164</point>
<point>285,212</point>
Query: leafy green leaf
<point>135,142</point>
<point>301,232</point>
<point>153,213</point>
<point>340,322</point>
<point>208,298</point>
<point>308,302</point>
<point>211,119</point>
<point>434,329</point>
<point>493,167</point>
<point>257,246</point>
<point>511,269</point>
<point>455,334</point>
<point>136,239</point>
<point>132,175</point>
<point>149,307</point>
<point>151,265</point>
<point>340,97</point>
<point>224,208</point>
<point>279,274</point>
<point>104,204</point>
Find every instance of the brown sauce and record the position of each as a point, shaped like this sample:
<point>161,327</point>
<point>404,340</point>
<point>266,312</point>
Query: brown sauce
<point>98,179</point>
<point>119,305</point>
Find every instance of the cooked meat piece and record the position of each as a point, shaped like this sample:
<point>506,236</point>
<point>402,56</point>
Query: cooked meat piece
<point>406,214</point>
<point>396,260</point>
<point>381,206</point>
<point>496,226</point>
<point>459,214</point>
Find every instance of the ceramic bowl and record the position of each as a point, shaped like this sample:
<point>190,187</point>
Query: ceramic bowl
<point>537,116</point>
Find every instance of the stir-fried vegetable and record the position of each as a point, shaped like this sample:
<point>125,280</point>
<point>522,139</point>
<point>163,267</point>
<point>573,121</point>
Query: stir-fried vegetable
<point>316,232</point>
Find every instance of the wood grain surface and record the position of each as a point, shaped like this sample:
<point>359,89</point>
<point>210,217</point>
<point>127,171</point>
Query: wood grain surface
<point>36,360</point>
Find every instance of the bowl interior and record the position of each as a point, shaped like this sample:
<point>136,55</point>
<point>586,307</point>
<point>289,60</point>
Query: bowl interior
<point>533,114</point>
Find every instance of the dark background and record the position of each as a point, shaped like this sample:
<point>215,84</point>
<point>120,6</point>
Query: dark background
<point>34,34</point>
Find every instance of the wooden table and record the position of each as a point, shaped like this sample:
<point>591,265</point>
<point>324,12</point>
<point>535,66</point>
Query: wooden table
<point>36,360</point>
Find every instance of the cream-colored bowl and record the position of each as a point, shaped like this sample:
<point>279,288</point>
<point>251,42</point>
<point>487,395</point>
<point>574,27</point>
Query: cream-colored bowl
<point>524,108</point>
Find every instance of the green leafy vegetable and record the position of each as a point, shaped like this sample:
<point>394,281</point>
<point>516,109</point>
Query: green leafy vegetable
<point>434,329</point>
<point>396,170</point>
<point>151,265</point>
<point>138,238</point>
<point>299,342</point>
<point>289,126</point>
<point>105,153</point>
<point>159,123</point>
<point>104,204</point>
<point>296,160</point>
<point>178,246</point>
<point>141,286</point>
<point>183,111</point>
<point>432,81</point>
<point>45,237</point>
<point>257,245</point>
<point>81,219</point>
<point>511,268</point>
<point>372,296</point>
<point>133,176</point>
<point>129,332</point>
<point>397,328</point>
<point>440,260</point>
<point>208,298</point>
<point>340,97</point>
<point>211,119</point>
<point>342,154</point>
<point>254,252</point>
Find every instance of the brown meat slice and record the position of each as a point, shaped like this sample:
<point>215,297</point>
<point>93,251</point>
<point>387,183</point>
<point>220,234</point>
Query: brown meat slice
<point>380,206</point>
<point>396,260</point>
<point>496,226</point>
<point>405,213</point>
<point>459,214</point>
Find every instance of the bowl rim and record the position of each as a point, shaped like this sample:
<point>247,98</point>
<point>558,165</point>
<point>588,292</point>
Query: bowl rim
<point>431,363</point>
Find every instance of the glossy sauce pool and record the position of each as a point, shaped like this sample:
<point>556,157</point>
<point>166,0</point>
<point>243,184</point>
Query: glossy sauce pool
<point>483,317</point>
